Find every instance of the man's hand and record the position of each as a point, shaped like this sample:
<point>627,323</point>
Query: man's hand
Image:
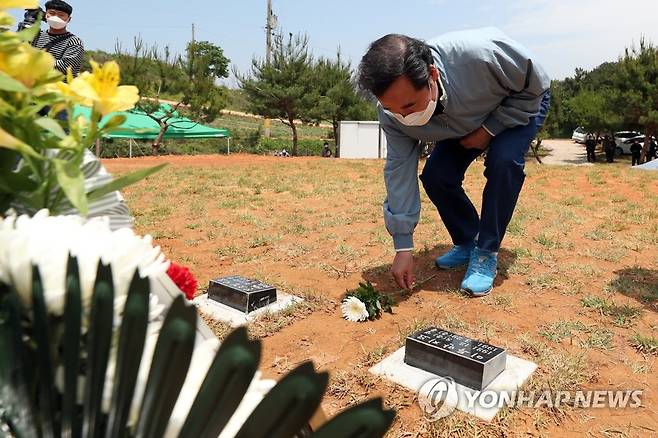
<point>403,269</point>
<point>478,139</point>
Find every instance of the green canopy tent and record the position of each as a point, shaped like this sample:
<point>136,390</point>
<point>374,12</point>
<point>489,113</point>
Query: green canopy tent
<point>140,126</point>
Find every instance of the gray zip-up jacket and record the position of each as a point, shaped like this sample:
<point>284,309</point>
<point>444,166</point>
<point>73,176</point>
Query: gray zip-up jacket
<point>488,80</point>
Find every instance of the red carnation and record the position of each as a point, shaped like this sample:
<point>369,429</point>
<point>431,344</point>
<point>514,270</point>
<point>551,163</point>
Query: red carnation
<point>183,278</point>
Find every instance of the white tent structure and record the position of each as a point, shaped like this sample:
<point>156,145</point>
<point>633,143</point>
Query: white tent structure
<point>361,140</point>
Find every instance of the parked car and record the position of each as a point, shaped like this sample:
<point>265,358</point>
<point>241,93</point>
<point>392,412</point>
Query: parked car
<point>625,146</point>
<point>579,135</point>
<point>622,141</point>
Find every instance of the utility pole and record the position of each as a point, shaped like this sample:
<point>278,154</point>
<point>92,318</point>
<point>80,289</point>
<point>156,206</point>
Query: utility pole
<point>270,23</point>
<point>192,53</point>
<point>268,32</point>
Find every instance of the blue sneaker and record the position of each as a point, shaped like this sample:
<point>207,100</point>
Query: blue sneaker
<point>481,273</point>
<point>456,257</point>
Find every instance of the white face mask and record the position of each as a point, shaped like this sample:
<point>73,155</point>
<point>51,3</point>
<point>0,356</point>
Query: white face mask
<point>56,23</point>
<point>417,119</point>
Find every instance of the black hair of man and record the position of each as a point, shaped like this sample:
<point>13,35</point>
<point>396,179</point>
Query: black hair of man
<point>392,56</point>
<point>59,5</point>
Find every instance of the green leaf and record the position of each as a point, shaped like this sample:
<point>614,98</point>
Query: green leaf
<point>123,181</point>
<point>14,365</point>
<point>365,420</point>
<point>71,349</point>
<point>44,362</point>
<point>169,367</point>
<point>288,406</point>
<point>52,126</point>
<point>99,339</point>
<point>14,182</point>
<point>72,181</point>
<point>226,382</point>
<point>8,83</point>
<point>129,355</point>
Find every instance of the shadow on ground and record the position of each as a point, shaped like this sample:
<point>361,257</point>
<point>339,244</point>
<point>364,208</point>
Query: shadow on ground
<point>431,278</point>
<point>638,283</point>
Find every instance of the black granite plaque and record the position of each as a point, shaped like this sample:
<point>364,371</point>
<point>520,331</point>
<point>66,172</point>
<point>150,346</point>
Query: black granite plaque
<point>241,293</point>
<point>469,362</point>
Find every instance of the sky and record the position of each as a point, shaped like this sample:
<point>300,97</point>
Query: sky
<point>563,34</point>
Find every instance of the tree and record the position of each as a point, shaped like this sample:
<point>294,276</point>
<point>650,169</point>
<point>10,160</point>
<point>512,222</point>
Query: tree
<point>281,89</point>
<point>190,79</point>
<point>596,111</point>
<point>638,82</point>
<point>211,57</point>
<point>334,92</point>
<point>336,95</point>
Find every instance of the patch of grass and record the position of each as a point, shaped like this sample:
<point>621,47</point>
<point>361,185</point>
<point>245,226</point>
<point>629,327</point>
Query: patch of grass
<point>598,234</point>
<point>411,328</point>
<point>503,302</point>
<point>228,251</point>
<point>165,234</point>
<point>230,204</point>
<point>553,241</point>
<point>601,339</point>
<point>613,226</point>
<point>583,269</point>
<point>645,344</point>
<point>259,241</point>
<point>219,328</point>
<point>562,370</point>
<point>572,201</point>
<point>346,250</point>
<point>452,323</point>
<point>518,268</point>
<point>542,282</point>
<point>516,228</point>
<point>622,316</point>
<point>269,323</point>
<point>614,254</point>
<point>562,329</point>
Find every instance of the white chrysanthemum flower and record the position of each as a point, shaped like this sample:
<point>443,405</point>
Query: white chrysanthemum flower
<point>354,309</point>
<point>46,241</point>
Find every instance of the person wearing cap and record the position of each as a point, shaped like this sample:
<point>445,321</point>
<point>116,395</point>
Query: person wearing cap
<point>468,92</point>
<point>67,49</point>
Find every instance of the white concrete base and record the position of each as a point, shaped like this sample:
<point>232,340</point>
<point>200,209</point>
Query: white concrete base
<point>235,318</point>
<point>517,371</point>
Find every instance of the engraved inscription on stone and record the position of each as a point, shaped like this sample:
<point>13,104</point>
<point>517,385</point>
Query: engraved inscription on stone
<point>469,362</point>
<point>241,293</point>
<point>458,344</point>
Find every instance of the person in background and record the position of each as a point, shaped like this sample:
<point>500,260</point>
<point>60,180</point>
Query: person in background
<point>326,151</point>
<point>609,146</point>
<point>590,147</point>
<point>653,148</point>
<point>67,49</point>
<point>636,151</point>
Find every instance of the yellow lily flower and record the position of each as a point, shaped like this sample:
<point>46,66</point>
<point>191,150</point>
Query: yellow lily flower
<point>26,64</point>
<point>101,87</point>
<point>19,4</point>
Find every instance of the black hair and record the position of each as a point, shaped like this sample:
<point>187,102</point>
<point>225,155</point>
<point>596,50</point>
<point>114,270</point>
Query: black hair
<point>59,5</point>
<point>392,56</point>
